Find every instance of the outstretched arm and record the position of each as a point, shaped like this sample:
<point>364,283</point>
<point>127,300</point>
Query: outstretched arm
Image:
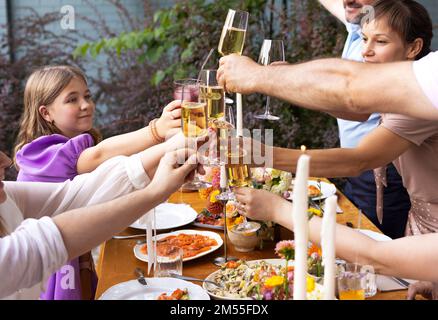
<point>332,85</point>
<point>377,149</point>
<point>411,257</point>
<point>130,143</point>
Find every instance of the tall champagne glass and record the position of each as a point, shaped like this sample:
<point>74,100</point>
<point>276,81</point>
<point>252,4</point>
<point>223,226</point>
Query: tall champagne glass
<point>232,41</point>
<point>194,117</point>
<point>272,51</point>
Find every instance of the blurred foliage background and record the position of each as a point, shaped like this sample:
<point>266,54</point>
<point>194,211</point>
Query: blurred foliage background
<point>135,82</point>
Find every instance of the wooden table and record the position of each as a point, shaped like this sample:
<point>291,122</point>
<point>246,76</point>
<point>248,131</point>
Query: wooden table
<point>117,261</point>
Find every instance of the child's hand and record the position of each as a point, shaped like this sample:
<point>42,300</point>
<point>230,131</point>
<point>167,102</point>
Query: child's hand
<point>170,121</point>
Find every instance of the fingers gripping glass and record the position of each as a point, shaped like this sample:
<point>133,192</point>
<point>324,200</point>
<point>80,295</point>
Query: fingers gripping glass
<point>194,118</point>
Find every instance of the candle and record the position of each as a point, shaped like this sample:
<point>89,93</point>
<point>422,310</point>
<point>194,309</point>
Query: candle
<point>301,226</point>
<point>328,247</point>
<point>223,178</point>
<point>239,115</point>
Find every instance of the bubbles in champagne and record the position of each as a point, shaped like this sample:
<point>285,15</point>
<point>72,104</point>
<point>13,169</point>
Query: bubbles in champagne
<point>232,41</point>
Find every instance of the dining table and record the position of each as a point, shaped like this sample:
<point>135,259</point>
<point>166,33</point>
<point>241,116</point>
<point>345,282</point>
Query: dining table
<point>117,261</point>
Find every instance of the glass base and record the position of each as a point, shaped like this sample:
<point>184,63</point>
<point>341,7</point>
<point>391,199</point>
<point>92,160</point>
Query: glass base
<point>267,117</point>
<point>220,261</point>
<point>196,185</point>
<point>225,196</point>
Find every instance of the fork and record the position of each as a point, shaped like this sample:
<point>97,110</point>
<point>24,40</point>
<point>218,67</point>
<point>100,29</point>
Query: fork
<point>177,276</point>
<point>139,272</point>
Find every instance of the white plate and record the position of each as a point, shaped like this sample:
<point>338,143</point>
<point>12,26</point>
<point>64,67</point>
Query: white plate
<point>139,255</point>
<point>133,290</point>
<point>327,189</point>
<point>211,276</point>
<point>375,235</point>
<point>169,216</point>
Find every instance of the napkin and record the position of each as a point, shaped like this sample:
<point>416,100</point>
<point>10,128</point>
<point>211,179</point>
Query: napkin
<point>385,283</point>
<point>149,220</point>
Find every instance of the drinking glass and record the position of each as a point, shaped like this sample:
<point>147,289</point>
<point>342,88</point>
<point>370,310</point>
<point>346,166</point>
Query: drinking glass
<point>356,282</point>
<point>194,119</point>
<point>232,41</point>
<point>169,260</point>
<point>233,32</point>
<point>271,51</point>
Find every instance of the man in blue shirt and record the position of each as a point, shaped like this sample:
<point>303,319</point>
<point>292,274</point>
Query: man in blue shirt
<point>362,190</point>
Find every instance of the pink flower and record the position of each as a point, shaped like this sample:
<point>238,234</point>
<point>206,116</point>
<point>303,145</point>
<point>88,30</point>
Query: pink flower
<point>285,249</point>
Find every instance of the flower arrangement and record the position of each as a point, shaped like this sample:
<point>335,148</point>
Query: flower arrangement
<point>213,212</point>
<point>280,286</point>
<point>272,180</point>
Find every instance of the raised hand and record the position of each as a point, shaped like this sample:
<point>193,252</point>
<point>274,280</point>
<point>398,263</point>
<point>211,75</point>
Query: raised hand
<point>238,74</point>
<point>169,123</point>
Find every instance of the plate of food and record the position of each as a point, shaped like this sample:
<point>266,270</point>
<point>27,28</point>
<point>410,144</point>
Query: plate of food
<point>156,289</point>
<point>319,190</point>
<point>206,219</point>
<point>169,216</point>
<point>249,280</point>
<point>194,244</point>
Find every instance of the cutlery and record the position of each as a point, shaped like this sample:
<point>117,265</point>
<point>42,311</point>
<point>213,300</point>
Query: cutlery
<point>174,275</point>
<point>129,237</point>
<point>139,272</point>
<point>401,282</point>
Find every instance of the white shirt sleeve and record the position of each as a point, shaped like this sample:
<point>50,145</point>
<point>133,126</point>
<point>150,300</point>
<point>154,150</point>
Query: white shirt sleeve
<point>34,249</point>
<point>29,255</point>
<point>426,72</point>
<point>113,178</point>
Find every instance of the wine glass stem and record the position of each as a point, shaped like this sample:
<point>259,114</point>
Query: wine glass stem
<point>268,100</point>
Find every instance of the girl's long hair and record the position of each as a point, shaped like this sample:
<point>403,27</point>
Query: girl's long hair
<point>42,88</point>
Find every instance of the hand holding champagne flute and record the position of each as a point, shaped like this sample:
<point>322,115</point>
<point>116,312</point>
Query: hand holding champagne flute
<point>194,119</point>
<point>232,41</point>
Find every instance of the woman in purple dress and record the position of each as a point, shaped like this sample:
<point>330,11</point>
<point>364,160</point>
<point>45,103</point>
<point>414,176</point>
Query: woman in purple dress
<point>57,141</point>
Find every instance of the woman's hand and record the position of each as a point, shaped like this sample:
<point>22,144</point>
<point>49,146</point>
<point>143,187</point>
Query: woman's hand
<point>259,204</point>
<point>170,121</point>
<point>175,168</point>
<point>428,290</point>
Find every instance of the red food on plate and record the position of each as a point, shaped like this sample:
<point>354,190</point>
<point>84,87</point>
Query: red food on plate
<point>191,244</point>
<point>178,294</point>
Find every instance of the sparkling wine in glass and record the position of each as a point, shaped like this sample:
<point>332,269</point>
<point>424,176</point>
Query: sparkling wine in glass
<point>233,32</point>
<point>232,41</point>
<point>272,51</point>
<point>194,118</point>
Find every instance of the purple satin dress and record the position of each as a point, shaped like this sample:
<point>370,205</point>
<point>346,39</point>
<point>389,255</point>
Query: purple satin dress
<point>54,158</point>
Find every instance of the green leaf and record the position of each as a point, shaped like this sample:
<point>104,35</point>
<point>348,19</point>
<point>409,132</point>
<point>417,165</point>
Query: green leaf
<point>81,50</point>
<point>158,77</point>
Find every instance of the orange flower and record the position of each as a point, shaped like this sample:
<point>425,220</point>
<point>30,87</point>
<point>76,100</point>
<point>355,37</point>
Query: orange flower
<point>205,193</point>
<point>314,249</point>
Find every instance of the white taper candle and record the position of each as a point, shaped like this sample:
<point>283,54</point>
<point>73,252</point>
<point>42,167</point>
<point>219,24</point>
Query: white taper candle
<point>223,177</point>
<point>239,115</point>
<point>328,234</point>
<point>301,226</point>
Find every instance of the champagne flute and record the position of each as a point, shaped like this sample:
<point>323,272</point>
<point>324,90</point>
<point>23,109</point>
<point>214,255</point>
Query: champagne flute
<point>213,94</point>
<point>233,32</point>
<point>239,175</point>
<point>194,120</point>
<point>232,41</point>
<point>272,51</point>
